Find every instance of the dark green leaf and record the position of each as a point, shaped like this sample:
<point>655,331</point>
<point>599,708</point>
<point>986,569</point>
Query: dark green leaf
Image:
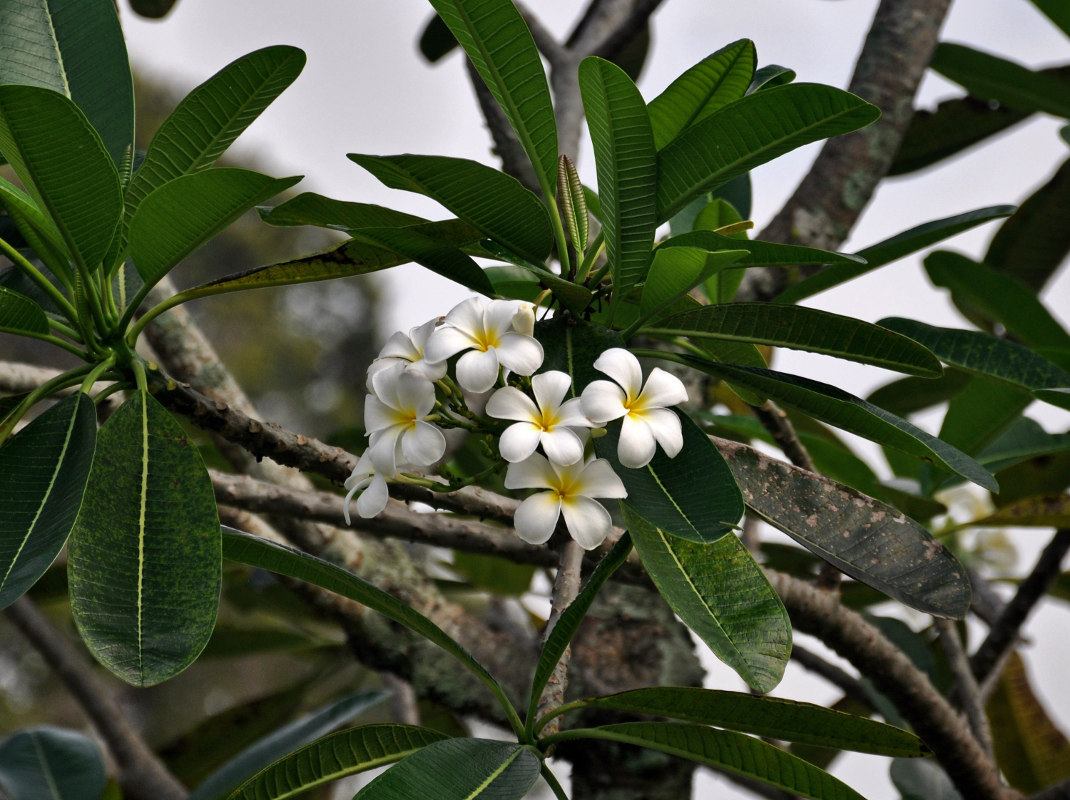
<point>309,208</point>
<point>46,763</point>
<point>898,246</point>
<point>334,757</point>
<point>770,717</point>
<point>1023,440</point>
<point>802,329</point>
<point>769,76</point>
<point>572,203</point>
<point>37,231</point>
<point>1057,11</point>
<point>76,48</point>
<point>908,395</point>
<point>569,622</point>
<point>722,595</point>
<point>436,41</point>
<point>717,80</point>
<point>1052,511</point>
<point>674,272</point>
<point>1034,243</point>
<point>727,751</point>
<point>842,410</point>
<point>500,47</point>
<point>20,314</point>
<point>750,132</point>
<point>922,780</point>
<point>526,282</point>
<point>440,258</point>
<point>864,538</point>
<point>759,253</point>
<point>459,769</point>
<point>63,164</point>
<point>993,78</point>
<point>490,200</point>
<point>626,165</point>
<point>297,734</point>
<point>981,412</point>
<point>144,556</point>
<point>186,212</point>
<point>43,469</point>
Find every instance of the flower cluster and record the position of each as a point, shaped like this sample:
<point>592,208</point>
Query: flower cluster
<point>415,394</point>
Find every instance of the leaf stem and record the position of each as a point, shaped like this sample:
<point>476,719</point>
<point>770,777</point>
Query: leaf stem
<point>593,251</point>
<point>61,381</point>
<point>559,233</point>
<point>34,274</point>
<point>551,780</point>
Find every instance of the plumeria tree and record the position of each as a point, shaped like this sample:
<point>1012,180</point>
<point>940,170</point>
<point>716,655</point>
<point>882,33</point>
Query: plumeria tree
<point>590,412</point>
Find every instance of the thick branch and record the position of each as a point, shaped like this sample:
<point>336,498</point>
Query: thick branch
<point>832,196</point>
<point>566,587</point>
<point>141,774</point>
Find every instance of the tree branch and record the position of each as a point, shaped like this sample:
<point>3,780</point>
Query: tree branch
<point>142,775</point>
<point>566,587</point>
<point>966,688</point>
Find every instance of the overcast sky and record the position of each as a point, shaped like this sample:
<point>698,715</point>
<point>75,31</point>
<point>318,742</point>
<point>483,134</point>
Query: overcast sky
<point>365,89</point>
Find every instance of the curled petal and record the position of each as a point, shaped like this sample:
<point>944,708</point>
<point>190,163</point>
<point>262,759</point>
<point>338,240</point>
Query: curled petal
<point>665,427</point>
<point>518,442</point>
<point>662,389</point>
<point>534,472</point>
<point>623,367</point>
<point>524,320</point>
<point>423,444</point>
<point>562,446</point>
<point>588,522</point>
<point>400,346</point>
<point>550,388</point>
<point>478,370</point>
<point>372,500</point>
<point>536,517</point>
<point>383,450</point>
<point>603,401</point>
<point>636,445</point>
<point>511,403</point>
<point>521,354</point>
<point>599,480</point>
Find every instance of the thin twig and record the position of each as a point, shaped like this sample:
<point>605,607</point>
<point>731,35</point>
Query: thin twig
<point>142,775</point>
<point>966,688</point>
<point>566,587</point>
<point>851,686</point>
<point>626,31</point>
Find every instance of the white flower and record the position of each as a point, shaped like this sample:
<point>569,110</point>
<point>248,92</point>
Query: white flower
<point>646,418</point>
<point>371,484</point>
<point>571,489</point>
<point>489,332</point>
<point>395,420</point>
<point>547,421</point>
<point>408,351</point>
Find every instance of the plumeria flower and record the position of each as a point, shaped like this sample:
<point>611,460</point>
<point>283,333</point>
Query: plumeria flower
<point>556,425</point>
<point>371,484</point>
<point>647,420</point>
<point>408,351</point>
<point>488,332</point>
<point>571,491</point>
<point>395,417</point>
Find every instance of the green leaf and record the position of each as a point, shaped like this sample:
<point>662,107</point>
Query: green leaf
<point>842,410</point>
<point>769,76</point>
<point>75,48</point>
<point>770,717</point>
<point>442,259</point>
<point>984,355</point>
<point>144,556</point>
<point>976,287</point>
<point>1033,243</point>
<point>1057,11</point>
<point>993,78</point>
<point>212,116</point>
<point>908,395</point>
<point>982,411</point>
<point>333,757</point>
<point>352,257</point>
<point>677,270</point>
<point>521,281</point>
<point>759,253</point>
<point>490,200</point>
<point>260,553</point>
<point>802,329</point>
<point>626,163</point>
<point>569,622</point>
<point>46,763</point>
<point>43,469</point>
<point>717,80</point>
<point>750,132</point>
<point>922,780</point>
<point>1023,440</point>
<point>722,595</point>
<point>63,164</point>
<point>240,769</point>
<point>1051,511</point>
<point>459,769</point>
<point>727,751</point>
<point>20,314</point>
<point>436,41</point>
<point>309,208</point>
<point>38,231</point>
<point>868,540</point>
<point>898,246</point>
<point>572,203</point>
<point>500,47</point>
<point>185,213</point>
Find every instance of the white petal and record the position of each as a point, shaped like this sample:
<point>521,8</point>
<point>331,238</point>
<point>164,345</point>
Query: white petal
<point>536,518</point>
<point>416,394</point>
<point>377,415</point>
<point>534,472</point>
<point>385,383</point>
<point>588,523</point>
<point>636,445</point>
<point>422,334</point>
<point>665,426</point>
<point>477,371</point>
<point>447,341</point>
<point>423,445</point>
<point>524,320</point>
<point>562,446</point>
<point>399,346</point>
<point>383,450</point>
<point>498,316</point>
<point>662,389</point>
<point>571,414</point>
<point>603,401</point>
<point>510,403</point>
<point>432,370</point>
<point>467,316</point>
<point>522,354</point>
<point>599,480</point>
<point>518,442</point>
<point>550,388</point>
<point>372,500</point>
<point>623,367</point>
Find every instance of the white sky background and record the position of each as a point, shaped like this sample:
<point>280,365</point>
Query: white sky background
<point>366,89</point>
